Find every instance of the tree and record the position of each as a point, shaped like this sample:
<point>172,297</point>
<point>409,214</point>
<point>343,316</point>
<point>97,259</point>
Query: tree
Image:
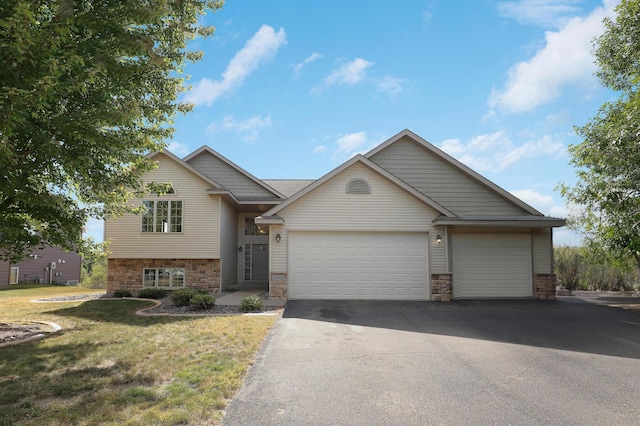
<point>87,89</point>
<point>607,193</point>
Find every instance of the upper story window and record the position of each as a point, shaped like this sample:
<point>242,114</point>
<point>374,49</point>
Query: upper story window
<point>162,216</point>
<point>358,186</point>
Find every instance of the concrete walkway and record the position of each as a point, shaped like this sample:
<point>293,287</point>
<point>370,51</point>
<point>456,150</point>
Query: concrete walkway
<point>234,298</point>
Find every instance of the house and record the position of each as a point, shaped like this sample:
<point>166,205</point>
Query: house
<point>403,222</point>
<point>43,266</point>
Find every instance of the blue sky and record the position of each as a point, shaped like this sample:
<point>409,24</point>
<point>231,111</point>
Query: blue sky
<point>291,89</point>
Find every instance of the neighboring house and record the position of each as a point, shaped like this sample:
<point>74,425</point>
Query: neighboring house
<point>43,266</point>
<point>403,222</point>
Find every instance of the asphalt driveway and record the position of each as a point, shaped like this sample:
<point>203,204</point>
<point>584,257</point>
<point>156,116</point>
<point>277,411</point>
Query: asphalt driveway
<point>483,362</point>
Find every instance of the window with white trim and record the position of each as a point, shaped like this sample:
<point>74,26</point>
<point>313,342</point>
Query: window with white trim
<point>163,277</point>
<point>162,216</point>
<point>14,275</point>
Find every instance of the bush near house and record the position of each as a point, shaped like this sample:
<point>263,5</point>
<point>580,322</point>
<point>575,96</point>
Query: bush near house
<point>152,293</point>
<point>252,302</point>
<point>579,268</point>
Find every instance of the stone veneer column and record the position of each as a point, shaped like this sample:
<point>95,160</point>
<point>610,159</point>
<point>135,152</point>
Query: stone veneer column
<point>278,286</point>
<point>546,286</point>
<point>126,274</point>
<point>441,287</point>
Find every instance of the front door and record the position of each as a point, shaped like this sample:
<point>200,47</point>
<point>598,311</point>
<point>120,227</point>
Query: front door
<point>259,262</point>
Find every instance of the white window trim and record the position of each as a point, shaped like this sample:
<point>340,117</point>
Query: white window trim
<point>170,287</point>
<point>168,223</point>
<point>17,278</point>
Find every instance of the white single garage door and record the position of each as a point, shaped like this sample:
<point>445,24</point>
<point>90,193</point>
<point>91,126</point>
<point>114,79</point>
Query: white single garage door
<point>492,265</point>
<point>353,265</point>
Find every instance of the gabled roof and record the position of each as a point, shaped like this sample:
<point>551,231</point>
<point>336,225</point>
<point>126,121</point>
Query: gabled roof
<point>372,166</point>
<point>438,153</point>
<point>196,172</point>
<point>231,164</point>
<point>288,187</point>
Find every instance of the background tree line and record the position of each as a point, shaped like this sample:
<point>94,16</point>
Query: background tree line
<point>580,268</point>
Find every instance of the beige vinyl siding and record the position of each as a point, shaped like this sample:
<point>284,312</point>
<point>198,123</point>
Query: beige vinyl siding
<point>278,250</point>
<point>228,244</point>
<point>200,237</point>
<point>227,176</point>
<point>442,182</point>
<point>388,208</point>
<point>542,251</point>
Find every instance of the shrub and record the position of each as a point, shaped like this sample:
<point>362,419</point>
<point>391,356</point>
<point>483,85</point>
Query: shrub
<point>122,293</point>
<point>152,293</point>
<point>183,296</point>
<point>202,301</point>
<point>251,303</point>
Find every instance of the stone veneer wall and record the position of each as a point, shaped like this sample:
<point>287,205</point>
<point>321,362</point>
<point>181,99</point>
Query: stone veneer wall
<point>126,274</point>
<point>278,286</point>
<point>546,286</point>
<point>441,287</point>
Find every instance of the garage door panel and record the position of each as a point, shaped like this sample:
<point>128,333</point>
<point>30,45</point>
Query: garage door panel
<point>492,265</point>
<point>358,266</point>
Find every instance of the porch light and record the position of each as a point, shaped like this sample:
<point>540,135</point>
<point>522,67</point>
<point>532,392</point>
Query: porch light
<point>278,238</point>
<point>438,239</point>
<point>240,249</point>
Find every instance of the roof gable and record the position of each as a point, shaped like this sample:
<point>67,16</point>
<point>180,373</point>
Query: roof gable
<point>241,183</point>
<point>371,166</point>
<point>183,165</point>
<point>444,179</point>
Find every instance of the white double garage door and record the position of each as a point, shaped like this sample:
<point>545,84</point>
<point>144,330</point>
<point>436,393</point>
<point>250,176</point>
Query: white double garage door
<point>355,265</point>
<point>395,266</point>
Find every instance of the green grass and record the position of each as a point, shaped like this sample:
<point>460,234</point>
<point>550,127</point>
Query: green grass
<point>110,366</point>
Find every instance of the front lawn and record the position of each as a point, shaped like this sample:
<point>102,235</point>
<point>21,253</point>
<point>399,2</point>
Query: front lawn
<point>110,366</point>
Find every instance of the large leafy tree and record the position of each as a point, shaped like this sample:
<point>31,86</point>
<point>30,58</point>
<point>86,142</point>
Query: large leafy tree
<point>607,193</point>
<point>87,89</point>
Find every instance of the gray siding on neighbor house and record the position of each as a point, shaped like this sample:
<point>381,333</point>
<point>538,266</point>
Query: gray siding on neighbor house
<point>442,182</point>
<point>67,267</point>
<point>4,274</point>
<point>228,244</point>
<point>230,178</point>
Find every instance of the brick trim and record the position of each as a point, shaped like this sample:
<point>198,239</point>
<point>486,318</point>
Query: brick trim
<point>126,274</point>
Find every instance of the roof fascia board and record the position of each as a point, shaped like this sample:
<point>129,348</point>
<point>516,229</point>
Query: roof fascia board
<point>525,222</point>
<point>206,148</point>
<point>376,169</point>
<point>186,166</point>
<point>456,164</point>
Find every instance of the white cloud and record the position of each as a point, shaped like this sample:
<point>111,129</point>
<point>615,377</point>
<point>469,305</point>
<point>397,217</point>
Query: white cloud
<point>319,149</point>
<point>298,67</point>
<point>351,144</point>
<point>564,60</point>
<point>545,13</point>
<point>496,152</point>
<point>247,129</point>
<point>178,149</point>
<point>348,74</point>
<point>261,47</point>
<point>390,85</point>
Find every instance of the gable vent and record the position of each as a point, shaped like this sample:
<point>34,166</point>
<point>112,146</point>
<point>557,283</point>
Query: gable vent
<point>358,186</point>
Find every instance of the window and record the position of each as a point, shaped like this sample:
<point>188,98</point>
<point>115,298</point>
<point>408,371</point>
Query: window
<point>251,228</point>
<point>162,216</point>
<point>358,186</point>
<point>163,277</point>
<point>13,276</point>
